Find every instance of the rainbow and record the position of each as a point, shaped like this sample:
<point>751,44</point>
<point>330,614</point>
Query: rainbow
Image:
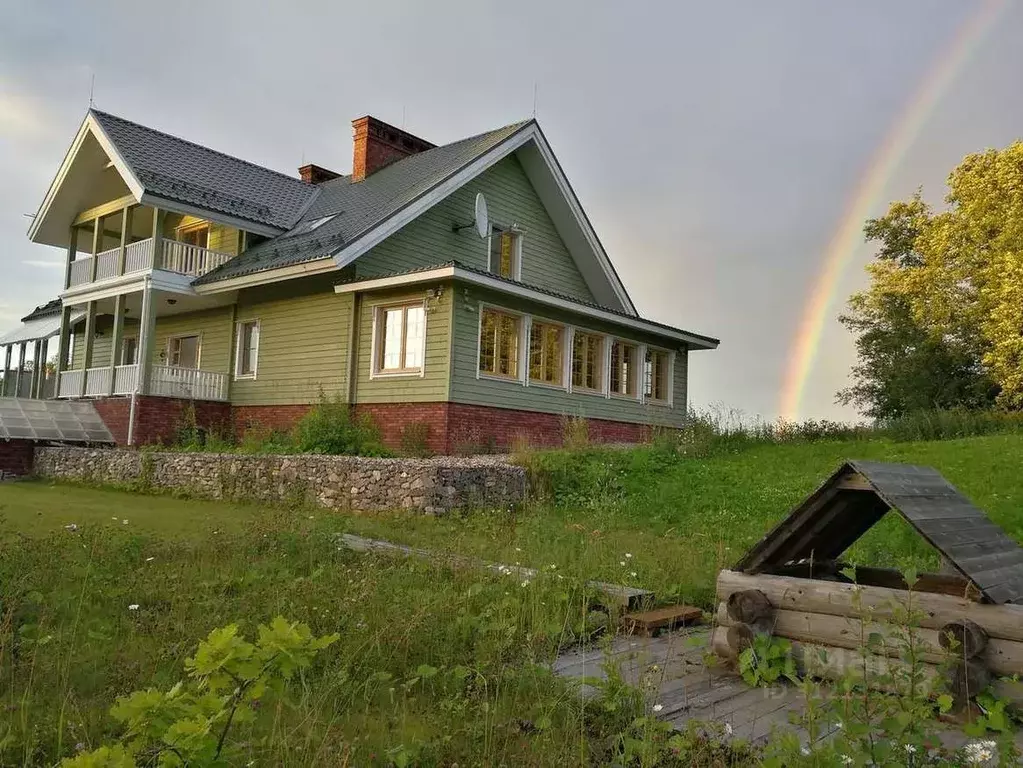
<point>867,194</point>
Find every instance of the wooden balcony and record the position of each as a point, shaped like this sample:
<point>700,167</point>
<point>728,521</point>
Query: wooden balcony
<point>165,381</point>
<point>174,256</point>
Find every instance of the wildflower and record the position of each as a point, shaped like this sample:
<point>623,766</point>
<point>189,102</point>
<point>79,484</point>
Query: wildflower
<point>124,522</point>
<point>846,760</point>
<point>133,607</point>
<point>805,751</point>
<point>628,555</point>
<point>633,574</point>
<point>838,725</point>
<point>728,728</point>
<point>910,749</point>
<point>150,559</point>
<point>979,752</point>
<point>621,562</point>
<point>115,518</point>
<point>525,583</point>
<point>518,549</point>
<point>71,527</point>
<point>658,707</point>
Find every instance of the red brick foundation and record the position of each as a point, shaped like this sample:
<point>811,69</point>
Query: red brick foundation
<point>447,427</point>
<point>16,458</point>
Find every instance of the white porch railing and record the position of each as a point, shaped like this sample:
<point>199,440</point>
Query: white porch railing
<point>138,256</point>
<point>190,259</point>
<point>166,381</point>
<point>81,271</point>
<point>70,384</point>
<point>176,256</point>
<point>97,381</point>
<point>189,383</point>
<point>106,263</point>
<point>125,379</point>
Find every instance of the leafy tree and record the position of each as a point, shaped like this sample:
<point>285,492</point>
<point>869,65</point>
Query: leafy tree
<point>941,324</point>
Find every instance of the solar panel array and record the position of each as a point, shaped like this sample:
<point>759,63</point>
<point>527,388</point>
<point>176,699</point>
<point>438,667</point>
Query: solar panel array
<point>71,421</point>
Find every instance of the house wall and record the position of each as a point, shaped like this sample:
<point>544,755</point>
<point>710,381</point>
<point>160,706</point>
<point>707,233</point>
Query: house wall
<point>433,384</point>
<point>222,238</point>
<point>215,327</point>
<point>511,199</point>
<point>303,342</point>
<point>467,388</point>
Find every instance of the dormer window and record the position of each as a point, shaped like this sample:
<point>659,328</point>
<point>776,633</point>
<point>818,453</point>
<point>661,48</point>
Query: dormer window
<point>506,252</point>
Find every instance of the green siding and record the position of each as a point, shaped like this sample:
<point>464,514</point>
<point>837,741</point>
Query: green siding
<point>222,238</point>
<point>511,199</point>
<point>432,386</point>
<point>214,327</point>
<point>467,388</point>
<point>303,342</point>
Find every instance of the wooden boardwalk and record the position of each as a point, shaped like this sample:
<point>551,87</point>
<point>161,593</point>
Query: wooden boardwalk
<point>670,670</point>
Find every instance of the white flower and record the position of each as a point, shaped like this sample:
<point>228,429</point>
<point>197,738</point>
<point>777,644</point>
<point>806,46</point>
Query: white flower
<point>728,728</point>
<point>633,574</point>
<point>628,555</point>
<point>979,752</point>
<point>518,549</point>
<point>115,518</point>
<point>150,559</point>
<point>621,562</point>
<point>838,725</point>
<point>909,748</point>
<point>71,527</point>
<point>525,583</point>
<point>658,707</point>
<point>133,607</point>
<point>846,760</point>
<point>805,751</point>
<point>124,522</point>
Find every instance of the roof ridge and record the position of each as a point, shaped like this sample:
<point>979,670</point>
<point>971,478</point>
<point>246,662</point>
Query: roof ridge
<point>93,110</point>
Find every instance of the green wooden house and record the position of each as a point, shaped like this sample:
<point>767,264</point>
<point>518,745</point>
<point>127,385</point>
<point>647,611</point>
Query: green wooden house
<point>195,278</point>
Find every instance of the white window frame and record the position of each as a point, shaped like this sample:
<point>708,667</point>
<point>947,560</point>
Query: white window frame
<point>600,391</point>
<point>670,401</point>
<point>134,338</point>
<point>522,375</point>
<point>517,235</point>
<point>376,370</point>
<point>198,350</point>
<point>638,375</point>
<point>565,383</point>
<point>238,375</point>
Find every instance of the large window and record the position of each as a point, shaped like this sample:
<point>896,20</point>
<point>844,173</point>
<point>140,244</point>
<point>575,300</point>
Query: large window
<point>247,345</point>
<point>545,353</point>
<point>655,376</point>
<point>587,351</point>
<point>505,252</point>
<point>183,352</point>
<point>499,343</point>
<point>623,368</point>
<point>401,338</point>
<point>129,350</point>
<point>195,234</point>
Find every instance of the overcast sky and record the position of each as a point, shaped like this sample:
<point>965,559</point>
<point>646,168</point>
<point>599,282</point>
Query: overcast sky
<point>713,144</point>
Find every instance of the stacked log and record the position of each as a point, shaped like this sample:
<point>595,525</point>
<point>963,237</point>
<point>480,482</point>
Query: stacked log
<point>838,629</point>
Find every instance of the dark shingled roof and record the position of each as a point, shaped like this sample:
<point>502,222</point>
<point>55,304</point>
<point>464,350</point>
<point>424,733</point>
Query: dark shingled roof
<point>196,175</point>
<point>838,513</point>
<point>357,207</point>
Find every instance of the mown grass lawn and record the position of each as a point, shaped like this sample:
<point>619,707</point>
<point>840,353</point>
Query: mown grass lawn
<point>69,643</point>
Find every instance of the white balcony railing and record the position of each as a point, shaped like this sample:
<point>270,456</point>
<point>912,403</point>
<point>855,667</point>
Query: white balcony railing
<point>175,256</point>
<point>166,381</point>
<point>188,259</point>
<point>188,383</point>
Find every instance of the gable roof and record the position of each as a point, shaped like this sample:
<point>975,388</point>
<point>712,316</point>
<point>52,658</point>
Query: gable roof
<point>357,207</point>
<point>860,493</point>
<point>173,168</point>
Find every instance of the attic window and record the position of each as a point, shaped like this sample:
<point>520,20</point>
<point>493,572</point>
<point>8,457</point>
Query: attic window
<point>505,253</point>
<point>309,225</point>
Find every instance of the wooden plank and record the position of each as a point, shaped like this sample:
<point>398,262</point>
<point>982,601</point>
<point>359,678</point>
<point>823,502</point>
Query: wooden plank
<point>648,622</point>
<point>881,603</point>
<point>854,481</point>
<point>630,597</point>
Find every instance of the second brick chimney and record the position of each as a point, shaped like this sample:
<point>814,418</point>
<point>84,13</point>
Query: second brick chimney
<point>378,144</point>
<point>315,174</point>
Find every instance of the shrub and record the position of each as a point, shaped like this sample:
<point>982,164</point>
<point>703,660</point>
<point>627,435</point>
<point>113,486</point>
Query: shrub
<point>259,438</point>
<point>414,438</point>
<point>576,433</point>
<point>951,424</point>
<point>328,428</point>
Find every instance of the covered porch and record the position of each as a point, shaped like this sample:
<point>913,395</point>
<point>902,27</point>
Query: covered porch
<point>114,349</point>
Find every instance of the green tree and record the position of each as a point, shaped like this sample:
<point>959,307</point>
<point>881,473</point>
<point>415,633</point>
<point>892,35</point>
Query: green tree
<point>941,324</point>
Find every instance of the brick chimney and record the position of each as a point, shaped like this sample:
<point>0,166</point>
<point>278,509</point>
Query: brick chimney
<point>314,174</point>
<point>378,144</point>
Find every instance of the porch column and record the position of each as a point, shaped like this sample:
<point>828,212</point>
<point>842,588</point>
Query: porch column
<point>97,246</point>
<point>147,330</point>
<point>44,347</point>
<point>158,219</point>
<point>21,365</point>
<point>122,256</point>
<point>7,371</point>
<point>87,342</point>
<point>72,251</point>
<point>117,337</point>
<point>36,351</point>
<point>63,342</point>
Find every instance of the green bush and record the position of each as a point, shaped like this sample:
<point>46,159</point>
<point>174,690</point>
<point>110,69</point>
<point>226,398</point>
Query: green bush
<point>951,424</point>
<point>328,428</point>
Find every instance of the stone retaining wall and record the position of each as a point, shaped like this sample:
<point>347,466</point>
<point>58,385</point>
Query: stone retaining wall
<point>432,486</point>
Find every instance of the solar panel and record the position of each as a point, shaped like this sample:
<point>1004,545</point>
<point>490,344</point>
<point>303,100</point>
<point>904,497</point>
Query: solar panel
<point>72,421</point>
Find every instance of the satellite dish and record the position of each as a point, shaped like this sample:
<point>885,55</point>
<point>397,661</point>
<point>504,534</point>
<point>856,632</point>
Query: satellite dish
<point>482,218</point>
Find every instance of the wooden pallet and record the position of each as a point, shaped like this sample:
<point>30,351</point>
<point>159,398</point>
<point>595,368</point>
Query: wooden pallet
<point>647,623</point>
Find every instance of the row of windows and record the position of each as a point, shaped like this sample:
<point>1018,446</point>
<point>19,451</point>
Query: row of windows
<point>185,351</point>
<point>596,363</point>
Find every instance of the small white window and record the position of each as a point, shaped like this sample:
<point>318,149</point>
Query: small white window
<point>506,252</point>
<point>129,350</point>
<point>183,352</point>
<point>656,376</point>
<point>247,345</point>
<point>400,339</point>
